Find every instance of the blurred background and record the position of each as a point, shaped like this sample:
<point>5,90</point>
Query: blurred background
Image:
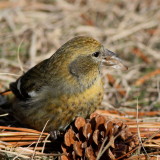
<point>31,31</point>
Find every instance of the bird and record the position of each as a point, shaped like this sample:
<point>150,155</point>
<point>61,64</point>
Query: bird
<point>66,85</point>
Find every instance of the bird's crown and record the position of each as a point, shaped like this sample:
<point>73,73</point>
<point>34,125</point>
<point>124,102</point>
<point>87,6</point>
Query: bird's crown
<point>80,45</point>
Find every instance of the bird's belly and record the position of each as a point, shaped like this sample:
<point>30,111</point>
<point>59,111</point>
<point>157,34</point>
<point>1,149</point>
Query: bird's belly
<point>71,107</point>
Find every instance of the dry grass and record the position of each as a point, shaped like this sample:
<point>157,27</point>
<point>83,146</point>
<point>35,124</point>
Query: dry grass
<point>33,30</point>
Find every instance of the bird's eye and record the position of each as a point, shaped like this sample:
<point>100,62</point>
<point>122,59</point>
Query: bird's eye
<point>96,54</point>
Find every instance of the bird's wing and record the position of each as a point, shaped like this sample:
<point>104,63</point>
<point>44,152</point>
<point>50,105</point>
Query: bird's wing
<point>28,84</point>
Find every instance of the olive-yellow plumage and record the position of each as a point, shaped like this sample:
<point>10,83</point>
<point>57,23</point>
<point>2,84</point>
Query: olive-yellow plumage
<point>66,85</point>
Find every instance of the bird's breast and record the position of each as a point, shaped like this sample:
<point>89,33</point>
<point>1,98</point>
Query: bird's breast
<point>93,93</point>
<point>81,103</point>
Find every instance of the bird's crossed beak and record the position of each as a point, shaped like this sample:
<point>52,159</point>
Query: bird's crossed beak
<point>110,58</point>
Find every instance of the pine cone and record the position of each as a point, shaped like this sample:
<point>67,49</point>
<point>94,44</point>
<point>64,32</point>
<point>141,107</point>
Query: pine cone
<point>97,137</point>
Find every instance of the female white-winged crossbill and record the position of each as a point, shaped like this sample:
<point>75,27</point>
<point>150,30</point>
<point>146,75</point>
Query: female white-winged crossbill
<point>66,85</point>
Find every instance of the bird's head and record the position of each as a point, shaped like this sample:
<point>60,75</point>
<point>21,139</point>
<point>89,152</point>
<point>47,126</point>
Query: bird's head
<point>80,59</point>
<point>84,54</point>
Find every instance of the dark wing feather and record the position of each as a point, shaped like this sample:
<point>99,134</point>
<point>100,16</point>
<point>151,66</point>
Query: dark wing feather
<point>32,80</point>
<point>20,94</point>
